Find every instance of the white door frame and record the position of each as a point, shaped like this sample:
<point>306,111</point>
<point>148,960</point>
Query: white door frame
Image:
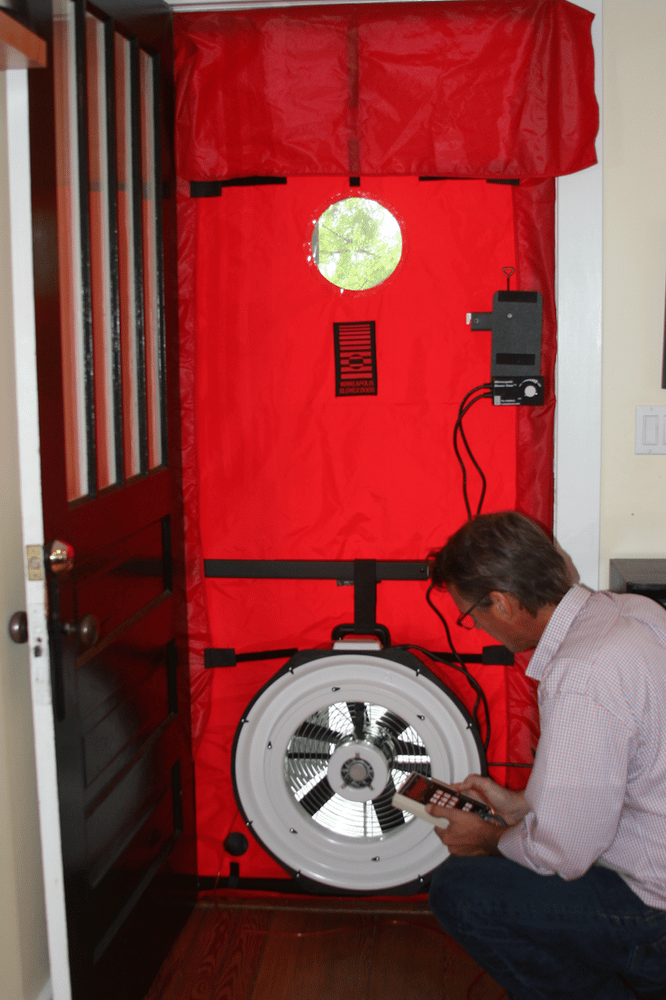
<point>20,221</point>
<point>577,454</point>
<point>578,373</point>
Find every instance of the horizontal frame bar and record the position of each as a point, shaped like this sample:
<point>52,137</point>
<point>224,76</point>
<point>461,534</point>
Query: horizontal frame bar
<point>310,569</point>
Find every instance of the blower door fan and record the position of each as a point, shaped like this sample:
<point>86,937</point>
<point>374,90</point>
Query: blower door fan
<point>322,748</point>
<point>350,754</point>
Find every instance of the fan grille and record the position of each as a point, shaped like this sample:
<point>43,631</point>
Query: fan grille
<point>367,730</point>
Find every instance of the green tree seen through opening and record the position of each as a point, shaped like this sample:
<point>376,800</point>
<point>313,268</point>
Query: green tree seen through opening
<point>356,243</point>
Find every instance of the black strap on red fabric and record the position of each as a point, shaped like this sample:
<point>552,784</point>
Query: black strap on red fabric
<point>363,573</point>
<point>213,189</point>
<point>229,657</point>
<point>311,569</point>
<point>352,70</point>
<point>365,605</point>
<point>365,592</point>
<point>491,655</point>
<point>488,180</point>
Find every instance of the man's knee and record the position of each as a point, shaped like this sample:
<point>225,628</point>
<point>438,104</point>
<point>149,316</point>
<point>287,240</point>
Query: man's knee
<point>453,884</point>
<point>459,872</point>
<point>448,874</point>
<point>471,888</point>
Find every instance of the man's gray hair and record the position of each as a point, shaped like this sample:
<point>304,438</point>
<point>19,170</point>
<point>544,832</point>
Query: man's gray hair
<point>507,552</point>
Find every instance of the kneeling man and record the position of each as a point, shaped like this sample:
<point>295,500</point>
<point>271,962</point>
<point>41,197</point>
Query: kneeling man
<point>569,902</point>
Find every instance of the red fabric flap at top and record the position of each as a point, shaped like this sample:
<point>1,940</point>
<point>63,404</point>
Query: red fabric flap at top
<point>467,88</point>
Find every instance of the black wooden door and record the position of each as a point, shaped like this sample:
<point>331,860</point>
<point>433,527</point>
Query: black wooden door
<point>105,284</point>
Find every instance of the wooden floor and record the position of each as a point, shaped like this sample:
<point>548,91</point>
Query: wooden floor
<point>309,949</point>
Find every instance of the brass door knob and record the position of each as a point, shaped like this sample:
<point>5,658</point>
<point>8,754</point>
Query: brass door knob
<point>18,627</point>
<point>87,630</point>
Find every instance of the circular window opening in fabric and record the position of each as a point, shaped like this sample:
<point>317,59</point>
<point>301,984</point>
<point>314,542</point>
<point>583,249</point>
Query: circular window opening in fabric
<point>356,243</point>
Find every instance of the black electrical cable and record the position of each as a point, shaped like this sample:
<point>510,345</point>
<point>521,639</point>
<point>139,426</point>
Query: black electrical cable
<point>462,409</point>
<point>467,402</point>
<point>506,763</point>
<point>485,392</point>
<point>472,681</point>
<point>485,395</point>
<point>458,430</point>
<point>477,388</point>
<point>474,684</point>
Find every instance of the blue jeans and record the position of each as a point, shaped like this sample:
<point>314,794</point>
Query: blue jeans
<point>543,938</point>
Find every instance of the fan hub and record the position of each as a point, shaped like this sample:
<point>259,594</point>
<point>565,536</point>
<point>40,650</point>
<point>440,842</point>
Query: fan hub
<point>358,771</point>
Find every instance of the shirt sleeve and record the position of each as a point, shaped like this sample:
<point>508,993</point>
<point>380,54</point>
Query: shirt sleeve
<point>576,791</point>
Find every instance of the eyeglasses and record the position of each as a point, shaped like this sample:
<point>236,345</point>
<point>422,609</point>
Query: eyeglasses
<point>461,618</point>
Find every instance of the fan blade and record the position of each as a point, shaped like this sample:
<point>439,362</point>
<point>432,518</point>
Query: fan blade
<point>387,817</point>
<point>423,769</point>
<point>357,714</point>
<point>395,725</point>
<point>411,749</point>
<point>317,797</point>
<point>313,731</point>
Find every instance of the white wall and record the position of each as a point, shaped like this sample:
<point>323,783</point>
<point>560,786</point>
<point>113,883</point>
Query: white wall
<point>23,954</point>
<point>632,486</point>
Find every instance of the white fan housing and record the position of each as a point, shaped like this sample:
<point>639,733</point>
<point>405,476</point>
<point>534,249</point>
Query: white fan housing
<point>322,748</point>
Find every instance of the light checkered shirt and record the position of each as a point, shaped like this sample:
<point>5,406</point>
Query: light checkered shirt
<point>597,792</point>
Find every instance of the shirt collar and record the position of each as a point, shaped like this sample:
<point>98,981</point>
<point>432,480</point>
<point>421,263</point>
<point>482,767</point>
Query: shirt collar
<point>555,631</point>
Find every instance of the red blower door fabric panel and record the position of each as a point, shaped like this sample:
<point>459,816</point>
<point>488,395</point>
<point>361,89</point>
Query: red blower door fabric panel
<point>480,88</point>
<point>289,470</point>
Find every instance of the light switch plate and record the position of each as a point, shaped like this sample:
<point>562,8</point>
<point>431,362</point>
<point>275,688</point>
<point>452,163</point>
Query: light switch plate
<point>650,430</point>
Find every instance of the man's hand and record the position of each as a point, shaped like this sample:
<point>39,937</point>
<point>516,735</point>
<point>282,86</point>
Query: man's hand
<point>511,806</point>
<point>467,834</point>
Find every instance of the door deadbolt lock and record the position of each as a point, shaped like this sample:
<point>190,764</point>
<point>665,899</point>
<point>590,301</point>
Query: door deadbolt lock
<point>87,630</point>
<point>60,556</point>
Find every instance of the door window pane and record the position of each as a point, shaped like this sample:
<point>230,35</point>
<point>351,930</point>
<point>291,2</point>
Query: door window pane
<point>100,253</point>
<point>150,206</point>
<point>69,252</point>
<point>127,257</point>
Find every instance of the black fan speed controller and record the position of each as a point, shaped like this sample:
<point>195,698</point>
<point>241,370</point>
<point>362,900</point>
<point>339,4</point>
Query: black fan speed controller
<point>515,367</point>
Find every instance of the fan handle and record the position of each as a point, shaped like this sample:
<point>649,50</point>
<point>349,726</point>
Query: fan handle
<point>381,631</point>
